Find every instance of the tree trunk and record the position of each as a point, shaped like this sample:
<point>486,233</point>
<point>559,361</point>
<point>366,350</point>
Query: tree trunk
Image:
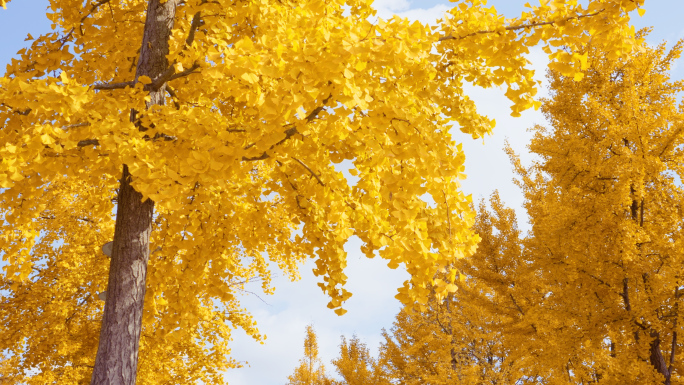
<point>117,354</point>
<point>656,358</point>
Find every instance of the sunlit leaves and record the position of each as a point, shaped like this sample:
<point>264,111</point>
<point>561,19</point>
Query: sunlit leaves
<point>262,100</point>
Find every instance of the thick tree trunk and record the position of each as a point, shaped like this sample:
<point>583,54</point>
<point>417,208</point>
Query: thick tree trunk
<point>117,355</point>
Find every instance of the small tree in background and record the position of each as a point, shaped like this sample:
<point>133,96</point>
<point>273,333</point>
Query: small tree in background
<point>356,366</point>
<point>311,370</point>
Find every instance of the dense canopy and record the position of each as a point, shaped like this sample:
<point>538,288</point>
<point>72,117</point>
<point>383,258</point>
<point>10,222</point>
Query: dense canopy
<point>229,119</point>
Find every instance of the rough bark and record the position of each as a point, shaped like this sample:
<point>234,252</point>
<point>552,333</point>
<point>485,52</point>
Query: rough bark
<point>656,358</point>
<point>117,355</point>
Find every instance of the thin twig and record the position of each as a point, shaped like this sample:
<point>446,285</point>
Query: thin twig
<point>517,27</point>
<point>310,171</point>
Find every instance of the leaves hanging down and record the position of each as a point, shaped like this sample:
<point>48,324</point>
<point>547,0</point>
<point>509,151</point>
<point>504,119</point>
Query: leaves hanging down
<point>259,101</point>
<point>464,337</point>
<point>592,293</point>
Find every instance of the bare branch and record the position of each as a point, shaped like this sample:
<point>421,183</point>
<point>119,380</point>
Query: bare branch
<point>164,137</point>
<point>168,75</point>
<point>161,79</point>
<point>86,124</point>
<point>173,96</point>
<point>113,86</point>
<point>20,112</point>
<point>318,109</point>
<point>94,8</point>
<point>187,72</point>
<point>253,158</point>
<point>84,219</point>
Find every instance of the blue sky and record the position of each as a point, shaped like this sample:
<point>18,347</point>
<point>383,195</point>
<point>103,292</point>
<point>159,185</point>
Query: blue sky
<point>284,315</point>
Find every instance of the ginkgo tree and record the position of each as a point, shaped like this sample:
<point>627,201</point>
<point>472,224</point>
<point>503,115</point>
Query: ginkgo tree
<point>211,128</point>
<point>605,204</point>
<point>311,370</point>
<point>355,365</point>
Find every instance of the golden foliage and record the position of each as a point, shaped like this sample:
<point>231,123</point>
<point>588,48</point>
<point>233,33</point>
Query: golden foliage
<point>592,293</point>
<point>264,99</point>
<point>356,366</point>
<point>462,338</point>
<point>310,370</point>
<point>605,203</point>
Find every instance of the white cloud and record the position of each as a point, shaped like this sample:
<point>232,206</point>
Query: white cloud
<point>487,165</point>
<point>402,8</point>
<point>387,7</point>
<point>426,16</point>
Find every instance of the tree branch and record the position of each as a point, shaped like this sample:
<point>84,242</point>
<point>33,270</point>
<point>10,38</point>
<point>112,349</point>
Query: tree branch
<point>674,336</point>
<point>20,112</point>
<point>193,27</point>
<point>166,76</point>
<point>88,142</point>
<point>113,86</point>
<point>318,109</point>
<point>173,96</point>
<point>288,133</point>
<point>86,124</point>
<point>625,294</point>
<point>518,27</point>
<point>96,142</point>
<point>181,74</point>
<point>310,171</point>
<point>670,140</point>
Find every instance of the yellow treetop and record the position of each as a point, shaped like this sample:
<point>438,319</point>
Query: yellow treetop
<point>310,370</point>
<point>356,366</point>
<point>591,295</point>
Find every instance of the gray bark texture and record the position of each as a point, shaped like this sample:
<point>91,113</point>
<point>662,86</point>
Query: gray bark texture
<point>117,354</point>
